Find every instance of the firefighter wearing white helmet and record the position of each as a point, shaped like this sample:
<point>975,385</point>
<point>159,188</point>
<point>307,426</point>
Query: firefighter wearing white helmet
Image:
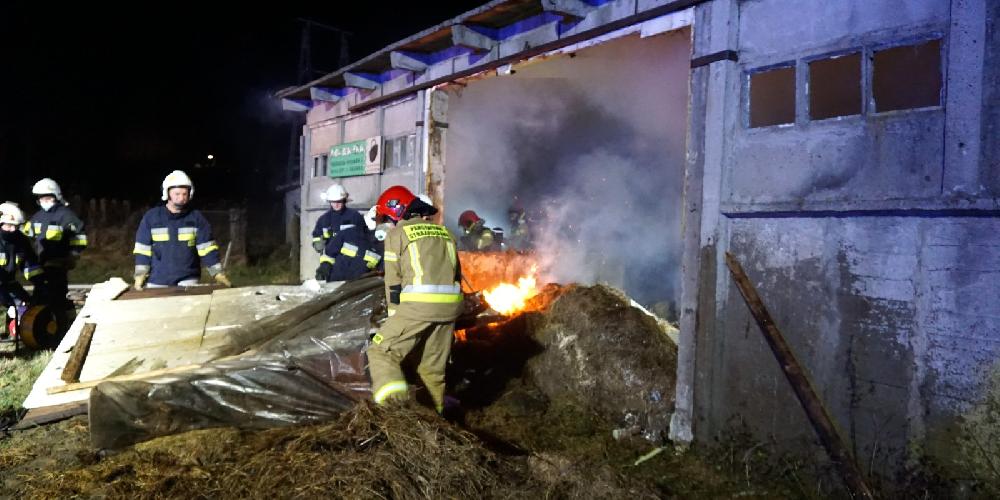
<point>336,219</point>
<point>177,178</point>
<point>60,238</point>
<point>17,256</point>
<point>174,241</point>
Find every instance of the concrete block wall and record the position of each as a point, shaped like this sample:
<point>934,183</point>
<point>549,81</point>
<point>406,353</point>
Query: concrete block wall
<point>330,124</point>
<point>894,317</point>
<point>873,239</point>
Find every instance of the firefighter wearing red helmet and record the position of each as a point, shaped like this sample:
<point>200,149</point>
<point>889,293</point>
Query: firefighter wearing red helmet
<point>476,237</point>
<point>422,276</point>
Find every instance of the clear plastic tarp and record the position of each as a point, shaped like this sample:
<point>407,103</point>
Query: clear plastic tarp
<point>304,365</point>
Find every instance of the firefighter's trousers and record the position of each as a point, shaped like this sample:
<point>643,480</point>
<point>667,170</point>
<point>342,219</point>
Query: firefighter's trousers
<point>430,343</point>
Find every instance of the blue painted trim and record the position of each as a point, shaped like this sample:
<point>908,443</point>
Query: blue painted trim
<point>841,214</point>
<point>375,77</point>
<point>337,91</point>
<point>449,53</point>
<point>528,24</point>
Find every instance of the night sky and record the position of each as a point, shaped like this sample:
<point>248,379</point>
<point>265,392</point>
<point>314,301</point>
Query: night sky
<point>109,100</point>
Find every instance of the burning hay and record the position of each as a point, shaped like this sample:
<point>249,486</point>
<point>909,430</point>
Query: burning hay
<point>584,344</point>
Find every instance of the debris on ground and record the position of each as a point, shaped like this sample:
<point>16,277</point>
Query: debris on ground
<point>569,399</point>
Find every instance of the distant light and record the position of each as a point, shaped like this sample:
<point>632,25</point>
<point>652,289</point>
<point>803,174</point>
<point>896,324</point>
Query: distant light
<point>211,157</point>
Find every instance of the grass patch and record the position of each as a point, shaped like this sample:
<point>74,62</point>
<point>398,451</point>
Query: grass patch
<point>17,374</point>
<point>97,265</point>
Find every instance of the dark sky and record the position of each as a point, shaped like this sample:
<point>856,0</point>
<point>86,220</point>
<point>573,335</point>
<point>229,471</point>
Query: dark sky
<point>109,100</point>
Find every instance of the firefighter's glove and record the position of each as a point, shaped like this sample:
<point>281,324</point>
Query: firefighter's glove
<point>221,279</point>
<point>140,281</point>
<point>319,245</point>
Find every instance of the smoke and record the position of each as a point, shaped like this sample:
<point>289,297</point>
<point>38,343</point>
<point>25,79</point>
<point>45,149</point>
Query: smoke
<point>592,147</point>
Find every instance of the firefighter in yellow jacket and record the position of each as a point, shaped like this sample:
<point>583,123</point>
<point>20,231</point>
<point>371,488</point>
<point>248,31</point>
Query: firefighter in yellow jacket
<point>424,297</point>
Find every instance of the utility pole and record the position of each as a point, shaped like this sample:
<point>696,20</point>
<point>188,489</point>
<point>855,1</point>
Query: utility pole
<point>306,74</point>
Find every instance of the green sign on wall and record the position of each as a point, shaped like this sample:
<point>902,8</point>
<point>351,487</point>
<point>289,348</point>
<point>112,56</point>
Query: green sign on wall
<point>355,158</point>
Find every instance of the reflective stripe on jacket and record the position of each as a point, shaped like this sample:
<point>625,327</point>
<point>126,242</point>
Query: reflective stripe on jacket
<point>348,255</point>
<point>331,222</point>
<point>58,233</point>
<point>170,247</point>
<point>422,272</point>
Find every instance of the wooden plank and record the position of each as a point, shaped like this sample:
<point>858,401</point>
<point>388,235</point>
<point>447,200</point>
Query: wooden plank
<point>139,376</point>
<point>796,375</point>
<point>170,291</point>
<point>49,414</point>
<point>71,372</point>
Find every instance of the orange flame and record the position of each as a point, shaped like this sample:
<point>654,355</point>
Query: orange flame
<point>507,298</point>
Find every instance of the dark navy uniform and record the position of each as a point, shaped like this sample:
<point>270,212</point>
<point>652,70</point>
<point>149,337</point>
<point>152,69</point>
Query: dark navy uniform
<point>59,239</point>
<point>332,222</point>
<point>171,247</point>
<point>348,255</point>
<point>17,256</point>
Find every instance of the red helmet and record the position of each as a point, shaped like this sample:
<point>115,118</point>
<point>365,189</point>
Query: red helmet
<point>468,218</point>
<point>393,202</point>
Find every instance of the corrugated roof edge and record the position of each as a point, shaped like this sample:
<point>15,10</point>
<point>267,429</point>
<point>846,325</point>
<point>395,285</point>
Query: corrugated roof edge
<point>326,79</point>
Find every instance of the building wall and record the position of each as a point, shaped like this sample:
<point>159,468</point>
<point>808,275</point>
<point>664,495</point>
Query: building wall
<point>330,124</point>
<point>873,239</point>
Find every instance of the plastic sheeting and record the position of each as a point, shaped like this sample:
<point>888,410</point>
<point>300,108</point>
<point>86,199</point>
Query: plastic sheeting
<point>308,370</point>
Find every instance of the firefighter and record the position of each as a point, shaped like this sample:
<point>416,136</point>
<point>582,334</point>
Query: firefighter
<point>377,233</point>
<point>17,255</point>
<point>173,239</point>
<point>422,276</point>
<point>476,237</point>
<point>348,255</point>
<point>520,235</point>
<point>59,239</point>
<point>336,219</point>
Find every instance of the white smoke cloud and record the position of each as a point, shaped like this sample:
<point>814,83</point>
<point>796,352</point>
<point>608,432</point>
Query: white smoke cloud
<point>592,146</point>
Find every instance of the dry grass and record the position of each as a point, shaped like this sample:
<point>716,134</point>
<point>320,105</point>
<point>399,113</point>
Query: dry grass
<point>17,374</point>
<point>370,452</point>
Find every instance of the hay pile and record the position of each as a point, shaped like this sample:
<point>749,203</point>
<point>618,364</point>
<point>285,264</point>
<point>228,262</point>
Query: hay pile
<point>370,452</point>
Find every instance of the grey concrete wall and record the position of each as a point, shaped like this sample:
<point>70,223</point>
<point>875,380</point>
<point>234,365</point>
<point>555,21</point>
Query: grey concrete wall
<point>991,100</point>
<point>874,239</point>
<point>331,124</point>
<point>894,317</point>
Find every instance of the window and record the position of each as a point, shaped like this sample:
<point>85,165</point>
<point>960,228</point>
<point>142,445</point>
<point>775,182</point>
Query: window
<point>867,80</point>
<point>401,152</point>
<point>907,77</point>
<point>772,97</point>
<point>319,166</point>
<point>835,87</point>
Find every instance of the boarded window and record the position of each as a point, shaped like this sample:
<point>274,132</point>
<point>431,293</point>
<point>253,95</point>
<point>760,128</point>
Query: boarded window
<point>772,97</point>
<point>401,152</point>
<point>319,166</point>
<point>907,77</point>
<point>835,87</point>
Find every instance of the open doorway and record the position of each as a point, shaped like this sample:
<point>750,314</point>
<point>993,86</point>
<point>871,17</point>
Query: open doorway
<point>591,144</point>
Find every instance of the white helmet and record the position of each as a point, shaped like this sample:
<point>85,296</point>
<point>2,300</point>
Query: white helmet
<point>45,187</point>
<point>10,213</point>
<point>177,178</point>
<point>370,218</point>
<point>380,229</point>
<point>335,192</point>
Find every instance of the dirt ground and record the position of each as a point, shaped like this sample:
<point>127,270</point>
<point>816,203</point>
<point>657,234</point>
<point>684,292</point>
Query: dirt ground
<point>514,438</point>
<point>514,450</point>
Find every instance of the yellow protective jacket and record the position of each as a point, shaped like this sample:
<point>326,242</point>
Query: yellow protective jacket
<point>422,272</point>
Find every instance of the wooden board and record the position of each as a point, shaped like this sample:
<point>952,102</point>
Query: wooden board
<point>157,333</point>
<point>170,291</point>
<point>49,414</point>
